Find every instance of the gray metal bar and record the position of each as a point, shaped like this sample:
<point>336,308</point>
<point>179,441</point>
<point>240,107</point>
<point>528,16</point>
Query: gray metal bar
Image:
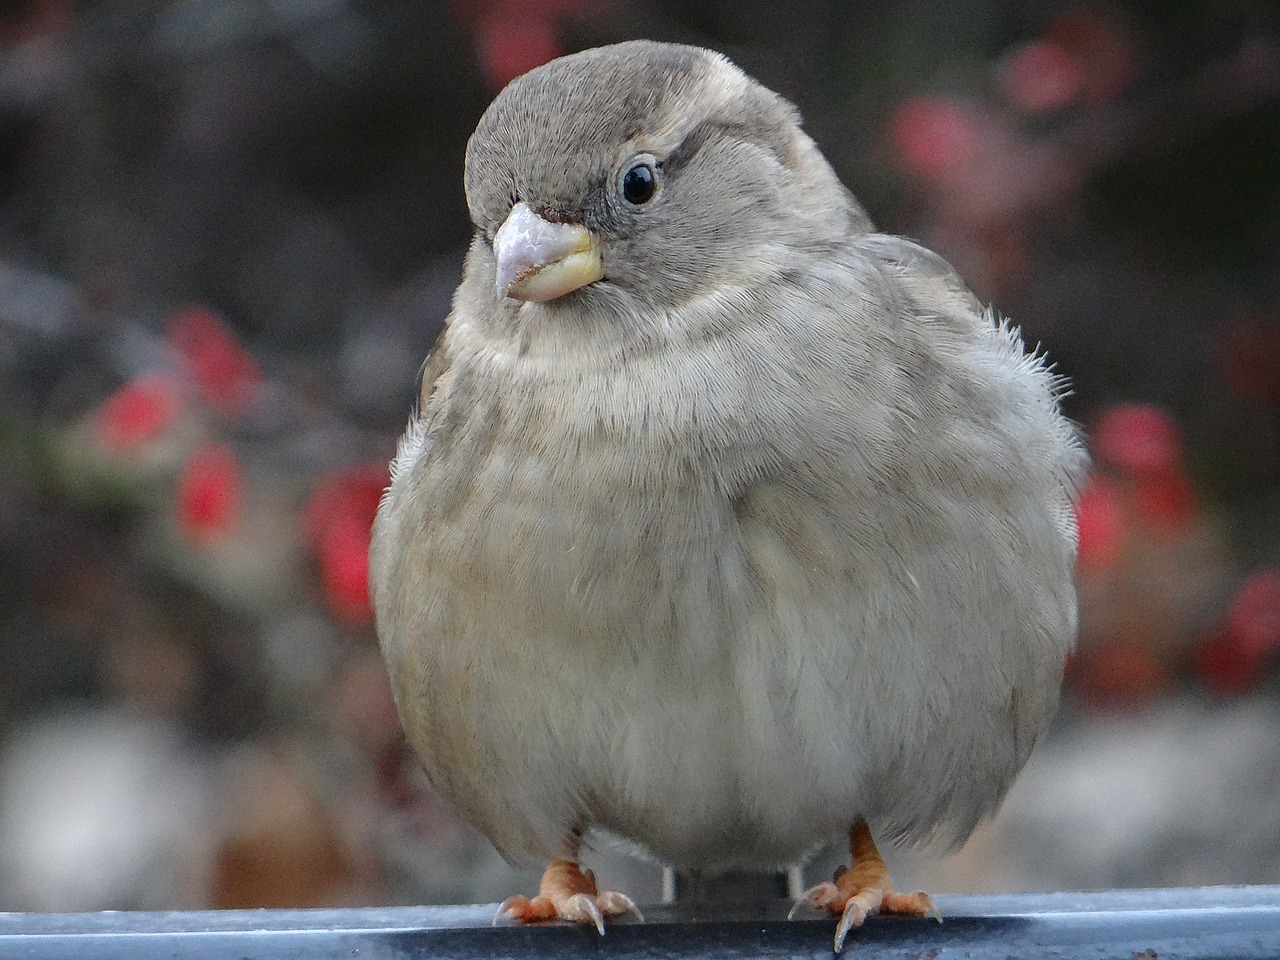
<point>692,886</point>
<point>1189,924</point>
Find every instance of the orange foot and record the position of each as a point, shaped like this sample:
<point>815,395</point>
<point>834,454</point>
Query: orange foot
<point>568,893</point>
<point>863,889</point>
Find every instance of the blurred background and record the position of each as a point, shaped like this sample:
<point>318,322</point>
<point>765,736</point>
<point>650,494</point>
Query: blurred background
<point>229,232</point>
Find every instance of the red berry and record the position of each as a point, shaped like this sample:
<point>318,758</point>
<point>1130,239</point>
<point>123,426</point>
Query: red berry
<point>1249,357</point>
<point>336,521</point>
<point>1109,58</point>
<point>344,569</point>
<point>1237,657</point>
<point>227,377</point>
<point>1138,439</point>
<point>1042,76</point>
<point>138,412</point>
<point>512,44</point>
<point>1165,501</point>
<point>934,136</point>
<point>1121,675</point>
<point>1100,521</point>
<point>209,494</point>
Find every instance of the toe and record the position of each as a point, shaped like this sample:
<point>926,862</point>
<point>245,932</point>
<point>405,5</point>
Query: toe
<point>525,910</point>
<point>914,904</point>
<point>856,911</point>
<point>582,908</point>
<point>568,892</point>
<point>821,895</point>
<point>614,904</point>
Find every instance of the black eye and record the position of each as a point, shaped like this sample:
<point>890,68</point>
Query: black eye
<point>639,184</point>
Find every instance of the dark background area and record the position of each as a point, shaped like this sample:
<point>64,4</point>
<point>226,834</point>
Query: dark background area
<point>229,232</point>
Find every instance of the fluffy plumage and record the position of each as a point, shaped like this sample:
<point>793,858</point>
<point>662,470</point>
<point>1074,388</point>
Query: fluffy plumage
<point>767,531</point>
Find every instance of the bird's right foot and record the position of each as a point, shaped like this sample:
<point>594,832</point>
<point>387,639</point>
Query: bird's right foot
<point>864,888</point>
<point>568,893</point>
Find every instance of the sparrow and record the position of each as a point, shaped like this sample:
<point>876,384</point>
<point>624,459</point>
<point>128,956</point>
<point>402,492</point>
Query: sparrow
<point>725,525</point>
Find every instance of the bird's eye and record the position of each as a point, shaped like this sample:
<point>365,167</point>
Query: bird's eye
<point>639,183</point>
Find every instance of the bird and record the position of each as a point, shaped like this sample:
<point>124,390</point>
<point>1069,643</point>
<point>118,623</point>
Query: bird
<point>725,525</point>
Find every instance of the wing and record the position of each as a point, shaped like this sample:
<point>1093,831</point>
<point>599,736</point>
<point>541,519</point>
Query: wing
<point>922,536</point>
<point>436,362</point>
<point>386,550</point>
<point>413,443</point>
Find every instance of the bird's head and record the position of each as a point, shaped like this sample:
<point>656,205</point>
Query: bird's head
<point>646,171</point>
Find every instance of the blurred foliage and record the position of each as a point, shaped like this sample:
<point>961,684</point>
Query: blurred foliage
<point>230,230</point>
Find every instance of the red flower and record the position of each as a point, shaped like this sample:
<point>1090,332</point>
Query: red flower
<point>933,136</point>
<point>138,412</point>
<point>511,44</point>
<point>1248,641</point>
<point>514,36</point>
<point>227,377</point>
<point>1166,501</point>
<point>1139,439</point>
<point>1121,676</point>
<point>1109,58</point>
<point>1042,76</point>
<point>344,568</point>
<point>1100,520</point>
<point>210,492</point>
<point>1249,357</point>
<point>336,522</point>
<point>34,21</point>
<point>1143,445</point>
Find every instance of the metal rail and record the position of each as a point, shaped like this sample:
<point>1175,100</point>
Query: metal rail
<point>1189,924</point>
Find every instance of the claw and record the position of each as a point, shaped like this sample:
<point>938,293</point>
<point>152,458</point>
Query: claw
<point>933,907</point>
<point>568,893</point>
<point>582,907</point>
<point>806,899</point>
<point>842,930</point>
<point>930,908</point>
<point>513,906</point>
<point>819,895</point>
<point>863,888</point>
<point>615,903</point>
<point>854,915</point>
<point>914,904</point>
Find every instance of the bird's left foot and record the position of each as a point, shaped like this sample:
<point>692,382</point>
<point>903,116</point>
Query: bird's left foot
<point>568,893</point>
<point>864,888</point>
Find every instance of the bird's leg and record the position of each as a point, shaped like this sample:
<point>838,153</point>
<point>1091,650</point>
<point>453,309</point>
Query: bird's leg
<point>863,888</point>
<point>567,892</point>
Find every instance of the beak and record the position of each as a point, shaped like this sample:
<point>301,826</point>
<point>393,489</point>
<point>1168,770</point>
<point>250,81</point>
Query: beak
<point>540,260</point>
